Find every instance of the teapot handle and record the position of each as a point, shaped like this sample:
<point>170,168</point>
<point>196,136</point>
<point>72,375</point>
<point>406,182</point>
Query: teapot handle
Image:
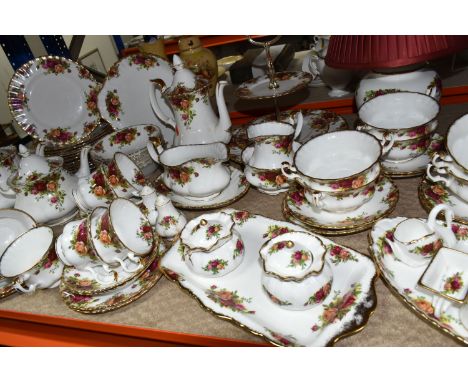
<point>161,85</point>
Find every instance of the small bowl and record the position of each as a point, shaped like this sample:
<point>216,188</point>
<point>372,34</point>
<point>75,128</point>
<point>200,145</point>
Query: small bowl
<point>295,273</point>
<point>211,245</point>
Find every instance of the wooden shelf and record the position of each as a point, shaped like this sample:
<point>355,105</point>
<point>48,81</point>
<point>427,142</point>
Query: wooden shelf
<point>171,46</point>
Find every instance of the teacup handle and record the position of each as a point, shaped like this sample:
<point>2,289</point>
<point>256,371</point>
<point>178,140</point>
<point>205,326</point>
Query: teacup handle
<point>290,172</point>
<point>442,163</point>
<point>32,288</point>
<point>387,143</point>
<point>437,178</point>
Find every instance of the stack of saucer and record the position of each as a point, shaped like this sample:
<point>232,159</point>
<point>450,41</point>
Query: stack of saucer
<point>340,186</point>
<point>195,176</point>
<point>111,258</point>
<point>447,175</point>
<point>405,123</point>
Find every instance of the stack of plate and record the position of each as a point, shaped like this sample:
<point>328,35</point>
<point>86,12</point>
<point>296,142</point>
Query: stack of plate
<point>54,100</point>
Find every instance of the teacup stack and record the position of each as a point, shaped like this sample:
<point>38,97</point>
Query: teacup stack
<point>111,247</point>
<point>405,123</point>
<point>449,171</point>
<point>337,175</point>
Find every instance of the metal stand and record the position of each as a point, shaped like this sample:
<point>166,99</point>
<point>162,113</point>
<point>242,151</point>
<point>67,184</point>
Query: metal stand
<point>271,69</point>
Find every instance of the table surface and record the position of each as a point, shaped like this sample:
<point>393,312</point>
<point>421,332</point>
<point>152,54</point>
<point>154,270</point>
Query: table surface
<point>167,307</point>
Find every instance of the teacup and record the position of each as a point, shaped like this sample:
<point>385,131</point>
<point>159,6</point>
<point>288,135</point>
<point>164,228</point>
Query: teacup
<point>117,182</point>
<point>74,247</point>
<point>194,171</point>
<point>130,171</point>
<point>408,149</point>
<point>32,261</point>
<point>211,245</point>
<point>131,227</point>
<point>457,139</point>
<point>337,161</point>
<point>344,201</point>
<point>93,191</point>
<point>104,240</point>
<point>13,223</point>
<point>415,242</point>
<point>296,275</point>
<point>457,185</point>
<point>269,181</point>
<point>403,115</point>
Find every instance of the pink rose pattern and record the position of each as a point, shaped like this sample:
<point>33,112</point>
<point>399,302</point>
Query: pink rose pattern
<point>167,221</point>
<point>61,135</point>
<point>338,308</point>
<point>453,283</point>
<point>113,105</point>
<point>229,299</point>
<point>145,231</point>
<point>54,65</point>
<point>215,266</point>
<point>44,187</point>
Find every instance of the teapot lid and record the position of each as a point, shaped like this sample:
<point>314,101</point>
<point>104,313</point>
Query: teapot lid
<point>293,256</point>
<point>204,232</point>
<point>183,76</point>
<point>30,163</point>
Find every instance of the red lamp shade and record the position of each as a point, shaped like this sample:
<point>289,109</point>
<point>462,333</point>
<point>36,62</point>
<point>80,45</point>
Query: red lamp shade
<point>372,52</point>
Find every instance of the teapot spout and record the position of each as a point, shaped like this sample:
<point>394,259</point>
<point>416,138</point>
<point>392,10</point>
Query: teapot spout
<point>84,171</point>
<point>224,122</point>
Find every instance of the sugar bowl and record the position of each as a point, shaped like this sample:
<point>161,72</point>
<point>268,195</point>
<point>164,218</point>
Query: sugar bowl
<point>295,273</point>
<point>211,246</point>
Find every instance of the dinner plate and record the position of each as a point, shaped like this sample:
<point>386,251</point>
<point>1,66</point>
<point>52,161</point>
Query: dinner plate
<point>54,100</point>
<point>239,297</point>
<point>124,99</point>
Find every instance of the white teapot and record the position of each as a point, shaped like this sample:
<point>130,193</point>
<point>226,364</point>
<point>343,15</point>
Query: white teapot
<point>195,120</point>
<point>43,188</point>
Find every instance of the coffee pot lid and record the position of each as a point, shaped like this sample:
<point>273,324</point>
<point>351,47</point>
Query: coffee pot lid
<point>182,76</point>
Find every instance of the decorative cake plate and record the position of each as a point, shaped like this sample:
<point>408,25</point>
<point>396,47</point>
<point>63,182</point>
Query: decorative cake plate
<point>240,298</point>
<point>402,280</point>
<point>259,87</point>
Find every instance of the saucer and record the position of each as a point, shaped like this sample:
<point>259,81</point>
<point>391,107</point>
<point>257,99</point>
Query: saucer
<point>316,122</point>
<point>382,204</point>
<point>259,87</point>
<point>431,194</point>
<point>239,297</point>
<point>116,298</point>
<point>84,283</point>
<point>402,280</point>
<point>416,166</point>
<point>236,189</point>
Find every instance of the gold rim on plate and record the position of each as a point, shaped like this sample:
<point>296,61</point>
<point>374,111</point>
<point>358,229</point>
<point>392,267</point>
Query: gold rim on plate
<point>406,301</point>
